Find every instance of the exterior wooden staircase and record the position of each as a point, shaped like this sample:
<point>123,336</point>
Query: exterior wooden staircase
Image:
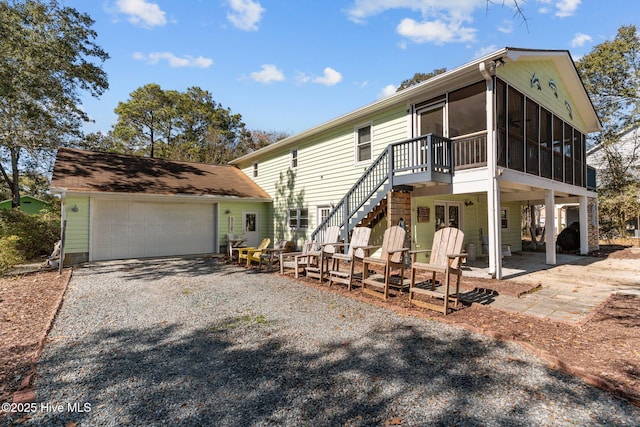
<point>428,158</point>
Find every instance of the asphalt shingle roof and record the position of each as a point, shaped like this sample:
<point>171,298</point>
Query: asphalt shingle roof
<point>91,171</point>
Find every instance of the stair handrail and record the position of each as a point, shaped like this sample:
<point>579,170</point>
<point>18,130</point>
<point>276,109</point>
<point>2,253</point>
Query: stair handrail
<point>383,163</point>
<point>339,207</point>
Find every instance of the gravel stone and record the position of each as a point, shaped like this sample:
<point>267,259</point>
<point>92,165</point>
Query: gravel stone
<point>188,342</point>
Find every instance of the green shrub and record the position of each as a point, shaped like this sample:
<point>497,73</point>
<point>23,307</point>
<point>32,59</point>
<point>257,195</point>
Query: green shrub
<point>37,233</point>
<point>9,252</point>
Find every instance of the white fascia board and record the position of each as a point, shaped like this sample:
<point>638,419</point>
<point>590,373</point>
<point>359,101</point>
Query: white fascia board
<point>399,98</point>
<point>162,197</point>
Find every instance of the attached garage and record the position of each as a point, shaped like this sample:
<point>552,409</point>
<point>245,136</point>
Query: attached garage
<point>129,229</point>
<point>119,207</point>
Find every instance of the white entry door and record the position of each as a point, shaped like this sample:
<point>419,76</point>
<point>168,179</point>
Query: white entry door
<point>251,228</point>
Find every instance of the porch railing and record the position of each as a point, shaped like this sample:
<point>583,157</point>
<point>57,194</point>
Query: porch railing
<point>427,158</point>
<point>470,151</point>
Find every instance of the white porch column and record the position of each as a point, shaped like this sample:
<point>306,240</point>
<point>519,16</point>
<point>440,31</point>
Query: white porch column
<point>493,187</point>
<point>584,225</point>
<point>550,227</point>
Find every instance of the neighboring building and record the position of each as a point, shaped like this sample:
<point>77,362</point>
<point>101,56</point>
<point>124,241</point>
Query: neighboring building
<point>118,206</point>
<point>28,204</point>
<point>628,148</point>
<point>465,148</point>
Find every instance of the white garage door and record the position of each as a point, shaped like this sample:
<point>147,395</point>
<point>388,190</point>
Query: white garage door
<point>125,229</point>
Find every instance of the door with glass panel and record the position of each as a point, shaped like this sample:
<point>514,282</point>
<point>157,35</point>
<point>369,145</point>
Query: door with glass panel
<point>251,228</point>
<point>448,214</point>
<point>430,120</point>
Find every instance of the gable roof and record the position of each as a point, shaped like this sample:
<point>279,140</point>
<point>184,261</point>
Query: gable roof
<point>561,58</point>
<point>93,172</point>
<point>25,197</point>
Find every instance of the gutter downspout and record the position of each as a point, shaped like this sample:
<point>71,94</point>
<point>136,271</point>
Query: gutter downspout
<point>63,226</point>
<point>493,186</point>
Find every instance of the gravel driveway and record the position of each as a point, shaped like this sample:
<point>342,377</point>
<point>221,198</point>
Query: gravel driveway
<point>196,342</point>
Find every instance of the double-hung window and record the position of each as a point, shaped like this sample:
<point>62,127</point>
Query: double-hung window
<point>294,158</point>
<point>363,144</point>
<point>299,218</point>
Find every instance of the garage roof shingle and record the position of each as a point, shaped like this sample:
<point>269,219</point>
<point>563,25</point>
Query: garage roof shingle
<point>91,171</point>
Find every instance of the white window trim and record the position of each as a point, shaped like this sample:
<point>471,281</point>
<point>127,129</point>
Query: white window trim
<point>507,218</point>
<point>355,143</point>
<point>255,170</point>
<point>319,210</point>
<point>297,158</point>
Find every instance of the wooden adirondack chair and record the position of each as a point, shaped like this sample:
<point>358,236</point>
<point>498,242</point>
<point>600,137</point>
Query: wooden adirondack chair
<point>270,256</point>
<point>298,260</point>
<point>246,253</point>
<point>392,258</point>
<point>446,257</point>
<point>324,255</point>
<point>357,251</point>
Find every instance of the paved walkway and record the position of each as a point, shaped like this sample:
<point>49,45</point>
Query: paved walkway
<point>569,290</point>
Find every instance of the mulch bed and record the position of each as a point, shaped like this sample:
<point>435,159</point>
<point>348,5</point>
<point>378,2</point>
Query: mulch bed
<point>28,305</point>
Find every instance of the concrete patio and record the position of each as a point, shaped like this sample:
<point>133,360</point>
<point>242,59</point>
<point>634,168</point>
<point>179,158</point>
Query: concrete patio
<point>569,290</point>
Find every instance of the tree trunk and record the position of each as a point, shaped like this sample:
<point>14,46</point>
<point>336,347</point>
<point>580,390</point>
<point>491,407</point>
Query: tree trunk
<point>15,177</point>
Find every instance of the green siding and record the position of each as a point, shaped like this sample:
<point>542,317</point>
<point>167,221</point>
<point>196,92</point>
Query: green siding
<point>233,210</point>
<point>474,223</point>
<point>326,169</point>
<point>77,232</point>
<point>28,205</point>
<point>519,76</point>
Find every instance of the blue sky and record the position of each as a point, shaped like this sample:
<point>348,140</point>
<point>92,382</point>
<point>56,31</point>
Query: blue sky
<point>288,65</point>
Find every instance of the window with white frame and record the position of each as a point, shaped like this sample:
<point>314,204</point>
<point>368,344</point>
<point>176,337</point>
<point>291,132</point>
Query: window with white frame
<point>255,170</point>
<point>294,158</point>
<point>323,213</point>
<point>299,218</point>
<point>504,218</point>
<point>363,143</point>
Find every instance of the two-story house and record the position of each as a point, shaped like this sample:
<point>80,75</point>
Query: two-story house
<point>467,148</point>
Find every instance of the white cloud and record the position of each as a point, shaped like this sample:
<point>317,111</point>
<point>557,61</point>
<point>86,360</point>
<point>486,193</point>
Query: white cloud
<point>245,14</point>
<point>330,77</point>
<point>438,32</point>
<point>269,73</point>
<point>142,13</point>
<point>485,51</point>
<point>387,91</point>
<point>567,7</point>
<point>440,22</point>
<point>174,61</point>
<point>506,27</point>
<point>580,39</point>
<point>302,78</point>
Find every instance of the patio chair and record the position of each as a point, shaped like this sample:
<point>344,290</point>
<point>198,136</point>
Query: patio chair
<point>445,259</point>
<point>233,243</point>
<point>324,254</point>
<point>357,251</point>
<point>245,253</point>
<point>271,256</point>
<point>392,258</point>
<point>298,260</point>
